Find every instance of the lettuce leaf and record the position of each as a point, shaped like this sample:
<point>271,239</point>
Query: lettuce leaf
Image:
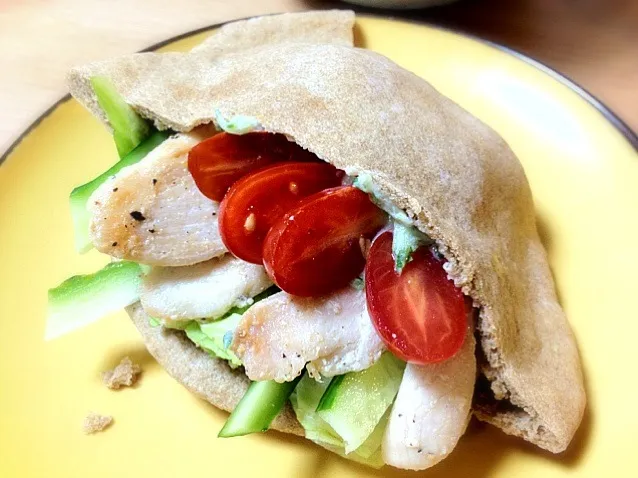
<point>406,240</point>
<point>211,337</point>
<point>238,124</point>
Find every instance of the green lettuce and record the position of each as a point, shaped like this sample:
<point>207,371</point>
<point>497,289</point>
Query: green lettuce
<point>211,337</point>
<point>405,241</point>
<point>238,124</point>
<point>216,336</point>
<point>365,183</point>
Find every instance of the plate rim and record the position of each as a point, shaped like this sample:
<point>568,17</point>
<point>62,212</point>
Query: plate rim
<point>401,15</point>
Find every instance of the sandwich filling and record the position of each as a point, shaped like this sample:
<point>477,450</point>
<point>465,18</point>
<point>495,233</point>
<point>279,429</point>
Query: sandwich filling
<point>310,280</point>
<point>307,278</point>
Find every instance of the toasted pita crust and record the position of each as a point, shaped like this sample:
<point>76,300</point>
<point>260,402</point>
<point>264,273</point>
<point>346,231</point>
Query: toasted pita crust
<point>454,175</point>
<point>324,26</point>
<point>327,26</point>
<point>207,377</point>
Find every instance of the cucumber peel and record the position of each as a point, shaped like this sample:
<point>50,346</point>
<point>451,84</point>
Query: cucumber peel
<point>81,300</point>
<point>129,128</point>
<point>327,399</point>
<point>356,403</point>
<point>305,401</point>
<point>80,195</point>
<point>259,406</point>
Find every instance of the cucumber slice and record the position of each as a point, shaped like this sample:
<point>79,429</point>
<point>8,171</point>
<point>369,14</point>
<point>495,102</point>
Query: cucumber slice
<point>81,300</point>
<point>328,398</point>
<point>372,445</point>
<point>259,406</point>
<point>369,453</point>
<point>354,405</point>
<point>304,401</point>
<point>129,128</point>
<point>80,195</point>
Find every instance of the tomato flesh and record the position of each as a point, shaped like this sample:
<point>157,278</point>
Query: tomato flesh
<point>315,248</point>
<point>420,314</point>
<point>217,162</point>
<point>255,202</point>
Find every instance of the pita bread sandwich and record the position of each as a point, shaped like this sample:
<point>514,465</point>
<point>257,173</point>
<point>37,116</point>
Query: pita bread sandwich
<point>316,240</point>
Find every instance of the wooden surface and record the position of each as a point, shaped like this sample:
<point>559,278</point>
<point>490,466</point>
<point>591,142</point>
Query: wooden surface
<point>594,42</point>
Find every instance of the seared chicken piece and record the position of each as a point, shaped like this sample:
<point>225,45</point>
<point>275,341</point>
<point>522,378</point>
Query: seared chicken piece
<point>153,213</point>
<point>431,410</point>
<point>205,290</point>
<point>333,335</point>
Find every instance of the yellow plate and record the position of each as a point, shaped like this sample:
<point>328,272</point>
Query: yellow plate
<point>584,174</point>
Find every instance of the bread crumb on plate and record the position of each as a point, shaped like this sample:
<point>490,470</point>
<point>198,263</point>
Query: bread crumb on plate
<point>124,375</point>
<point>94,422</point>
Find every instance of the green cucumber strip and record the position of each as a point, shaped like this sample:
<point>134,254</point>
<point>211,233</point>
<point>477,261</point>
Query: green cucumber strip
<point>374,461</point>
<point>369,453</point>
<point>329,396</point>
<point>406,240</point>
<point>304,401</point>
<point>372,444</point>
<point>81,300</point>
<point>259,406</point>
<point>80,195</point>
<point>129,128</point>
<point>357,403</point>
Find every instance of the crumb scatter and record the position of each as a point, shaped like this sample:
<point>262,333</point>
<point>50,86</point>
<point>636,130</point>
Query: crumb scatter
<point>94,422</point>
<point>124,375</point>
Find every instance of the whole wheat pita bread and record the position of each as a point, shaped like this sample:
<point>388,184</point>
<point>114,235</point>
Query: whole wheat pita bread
<point>207,377</point>
<point>323,26</point>
<point>454,175</point>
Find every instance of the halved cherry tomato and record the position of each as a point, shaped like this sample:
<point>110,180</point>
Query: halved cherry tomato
<point>217,162</point>
<point>419,314</point>
<point>253,204</point>
<point>314,248</point>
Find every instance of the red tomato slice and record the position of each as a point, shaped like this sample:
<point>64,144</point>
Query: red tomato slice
<point>217,162</point>
<point>420,314</point>
<point>314,249</point>
<point>253,204</point>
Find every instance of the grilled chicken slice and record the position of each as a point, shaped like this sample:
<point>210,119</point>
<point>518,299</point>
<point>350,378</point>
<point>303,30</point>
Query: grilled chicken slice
<point>333,335</point>
<point>205,290</point>
<point>153,213</point>
<point>431,410</point>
